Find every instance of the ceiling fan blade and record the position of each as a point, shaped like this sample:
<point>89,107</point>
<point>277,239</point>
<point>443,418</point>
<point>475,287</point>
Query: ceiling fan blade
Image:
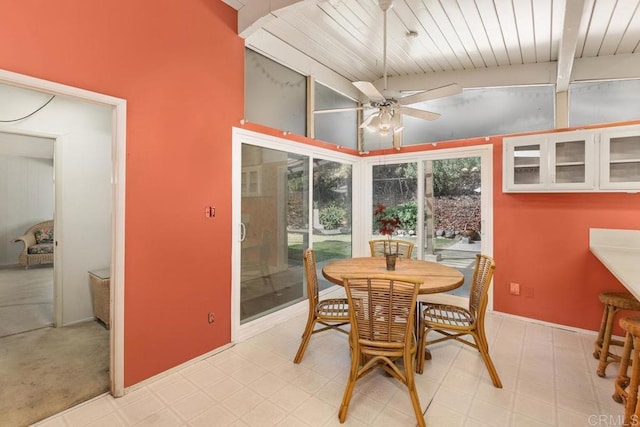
<point>340,110</point>
<point>441,92</point>
<point>420,114</point>
<point>366,121</point>
<point>370,91</point>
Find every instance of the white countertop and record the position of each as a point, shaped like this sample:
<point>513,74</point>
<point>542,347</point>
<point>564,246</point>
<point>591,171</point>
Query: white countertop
<point>619,251</point>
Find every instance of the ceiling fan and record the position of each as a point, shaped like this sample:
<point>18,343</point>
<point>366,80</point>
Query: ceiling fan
<point>387,119</point>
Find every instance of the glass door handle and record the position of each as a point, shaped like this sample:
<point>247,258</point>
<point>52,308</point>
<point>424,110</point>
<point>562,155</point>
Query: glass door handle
<point>243,232</point>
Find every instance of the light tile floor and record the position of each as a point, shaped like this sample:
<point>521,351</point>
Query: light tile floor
<point>548,376</point>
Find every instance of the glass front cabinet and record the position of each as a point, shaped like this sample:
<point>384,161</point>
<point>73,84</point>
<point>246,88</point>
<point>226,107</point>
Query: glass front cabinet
<point>620,159</point>
<point>549,162</point>
<point>568,161</point>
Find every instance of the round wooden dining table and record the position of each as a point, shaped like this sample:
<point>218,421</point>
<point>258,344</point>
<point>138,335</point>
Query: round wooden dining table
<point>437,277</point>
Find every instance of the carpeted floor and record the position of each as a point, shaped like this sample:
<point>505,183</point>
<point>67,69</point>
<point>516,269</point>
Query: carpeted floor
<point>44,370</point>
<point>26,299</point>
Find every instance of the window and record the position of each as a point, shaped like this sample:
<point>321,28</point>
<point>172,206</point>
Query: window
<point>603,102</point>
<point>275,95</point>
<point>339,128</point>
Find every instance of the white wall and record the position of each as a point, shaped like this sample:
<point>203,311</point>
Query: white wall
<point>26,189</point>
<point>82,185</point>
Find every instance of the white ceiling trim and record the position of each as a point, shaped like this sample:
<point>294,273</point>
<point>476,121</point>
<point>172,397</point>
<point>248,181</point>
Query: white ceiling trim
<point>257,13</point>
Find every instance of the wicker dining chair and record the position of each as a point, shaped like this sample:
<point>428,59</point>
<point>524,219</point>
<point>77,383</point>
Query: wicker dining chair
<point>382,312</point>
<point>380,247</point>
<point>454,322</point>
<point>331,313</point>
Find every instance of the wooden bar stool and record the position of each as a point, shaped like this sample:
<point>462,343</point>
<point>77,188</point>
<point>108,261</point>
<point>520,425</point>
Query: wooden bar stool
<point>626,389</point>
<point>613,302</point>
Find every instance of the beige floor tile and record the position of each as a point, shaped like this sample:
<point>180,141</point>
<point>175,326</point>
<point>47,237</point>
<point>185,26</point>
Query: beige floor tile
<point>315,412</point>
<point>490,414</point>
<point>548,376</point>
<point>140,409</point>
<point>238,402</point>
<point>215,415</point>
<point>289,397</point>
<point>533,408</point>
<point>265,414</point>
<point>193,405</point>
<point>440,415</point>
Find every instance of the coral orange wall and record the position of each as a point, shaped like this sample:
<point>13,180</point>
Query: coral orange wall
<point>180,66</point>
<point>541,241</point>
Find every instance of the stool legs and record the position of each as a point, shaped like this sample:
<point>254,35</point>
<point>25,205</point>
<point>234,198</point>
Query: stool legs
<point>605,356</point>
<point>630,409</point>
<point>603,325</point>
<point>621,383</point>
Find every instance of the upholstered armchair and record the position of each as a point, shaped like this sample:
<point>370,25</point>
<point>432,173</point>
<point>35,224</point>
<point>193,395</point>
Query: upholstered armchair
<point>38,245</point>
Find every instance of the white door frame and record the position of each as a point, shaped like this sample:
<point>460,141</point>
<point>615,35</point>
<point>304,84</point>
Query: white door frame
<point>239,136</point>
<point>118,145</point>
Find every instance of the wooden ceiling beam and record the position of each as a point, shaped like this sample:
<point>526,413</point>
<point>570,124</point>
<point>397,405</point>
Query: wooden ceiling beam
<point>567,49</point>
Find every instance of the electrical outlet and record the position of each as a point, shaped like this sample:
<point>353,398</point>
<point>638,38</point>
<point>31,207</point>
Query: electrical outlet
<point>514,288</point>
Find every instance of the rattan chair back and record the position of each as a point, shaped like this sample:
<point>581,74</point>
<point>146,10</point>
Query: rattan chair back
<point>311,274</point>
<point>454,322</point>
<point>479,292</point>
<point>382,313</point>
<point>380,247</point>
<point>332,313</point>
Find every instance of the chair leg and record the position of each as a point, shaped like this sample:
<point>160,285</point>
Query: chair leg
<point>480,338</point>
<point>353,376</point>
<point>306,336</point>
<point>420,349</point>
<point>411,384</point>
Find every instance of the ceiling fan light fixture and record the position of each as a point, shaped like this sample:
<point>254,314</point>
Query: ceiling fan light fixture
<point>396,122</point>
<point>374,123</point>
<point>385,120</point>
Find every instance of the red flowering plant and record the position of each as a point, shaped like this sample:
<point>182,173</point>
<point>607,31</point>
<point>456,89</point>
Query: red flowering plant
<point>386,222</point>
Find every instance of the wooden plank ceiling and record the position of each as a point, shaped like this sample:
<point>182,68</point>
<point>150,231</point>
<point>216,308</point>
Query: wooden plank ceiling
<point>435,42</point>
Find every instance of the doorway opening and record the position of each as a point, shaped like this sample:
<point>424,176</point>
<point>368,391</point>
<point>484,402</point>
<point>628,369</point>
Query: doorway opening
<point>113,134</point>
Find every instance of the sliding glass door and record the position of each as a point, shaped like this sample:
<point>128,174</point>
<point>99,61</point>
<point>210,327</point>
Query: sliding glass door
<point>443,203</point>
<point>453,214</point>
<point>286,198</point>
<point>395,193</point>
<point>274,218</point>
<point>332,226</point>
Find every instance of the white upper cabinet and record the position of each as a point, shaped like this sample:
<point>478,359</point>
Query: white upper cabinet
<point>568,161</point>
<point>620,158</point>
<point>572,161</point>
<point>549,162</point>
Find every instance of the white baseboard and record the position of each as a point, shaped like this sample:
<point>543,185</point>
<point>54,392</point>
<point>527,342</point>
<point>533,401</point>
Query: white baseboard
<point>542,322</point>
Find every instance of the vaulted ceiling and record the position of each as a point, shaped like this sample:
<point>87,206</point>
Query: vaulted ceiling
<point>431,43</point>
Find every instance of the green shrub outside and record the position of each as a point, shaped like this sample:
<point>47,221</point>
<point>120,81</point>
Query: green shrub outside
<point>407,213</point>
<point>332,216</point>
